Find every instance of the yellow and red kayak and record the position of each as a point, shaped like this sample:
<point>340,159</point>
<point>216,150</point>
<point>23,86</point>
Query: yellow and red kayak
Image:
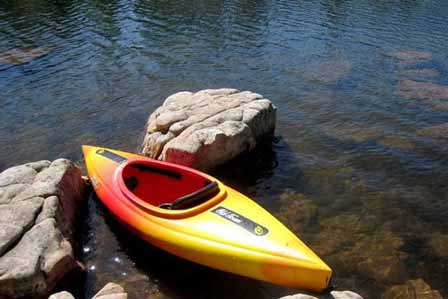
<point>194,216</point>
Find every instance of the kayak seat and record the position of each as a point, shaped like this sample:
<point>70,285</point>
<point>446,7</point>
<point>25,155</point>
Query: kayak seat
<point>194,198</point>
<point>167,186</point>
<point>131,182</point>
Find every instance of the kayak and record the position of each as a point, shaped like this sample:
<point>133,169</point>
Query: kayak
<point>196,217</point>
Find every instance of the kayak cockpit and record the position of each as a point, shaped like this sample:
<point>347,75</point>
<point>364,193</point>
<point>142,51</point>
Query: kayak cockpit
<point>168,188</point>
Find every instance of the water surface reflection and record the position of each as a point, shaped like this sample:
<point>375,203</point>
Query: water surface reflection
<point>359,164</point>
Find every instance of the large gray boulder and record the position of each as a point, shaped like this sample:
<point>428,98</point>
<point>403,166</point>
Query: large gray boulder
<point>38,203</point>
<point>209,127</point>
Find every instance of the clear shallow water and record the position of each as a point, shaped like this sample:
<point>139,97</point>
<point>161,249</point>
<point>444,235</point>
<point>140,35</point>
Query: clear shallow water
<point>354,168</point>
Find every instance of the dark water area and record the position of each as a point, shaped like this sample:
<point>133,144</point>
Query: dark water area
<point>358,167</point>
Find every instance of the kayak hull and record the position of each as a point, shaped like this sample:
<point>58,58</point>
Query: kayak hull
<point>228,232</point>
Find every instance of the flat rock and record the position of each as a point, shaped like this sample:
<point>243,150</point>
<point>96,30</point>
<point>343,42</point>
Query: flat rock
<point>412,289</point>
<point>38,203</point>
<point>209,127</point>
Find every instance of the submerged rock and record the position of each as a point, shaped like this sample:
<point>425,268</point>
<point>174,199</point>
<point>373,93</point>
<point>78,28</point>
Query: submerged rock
<point>330,72</point>
<point>425,73</point>
<point>351,132</point>
<point>410,55</point>
<point>22,55</point>
<point>438,131</point>
<point>412,289</point>
<point>356,245</point>
<point>422,90</point>
<point>439,243</point>
<point>296,211</point>
<point>209,127</point>
<point>397,142</point>
<point>38,203</point>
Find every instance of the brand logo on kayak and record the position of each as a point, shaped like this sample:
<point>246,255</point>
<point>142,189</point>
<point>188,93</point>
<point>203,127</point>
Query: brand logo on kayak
<point>242,221</point>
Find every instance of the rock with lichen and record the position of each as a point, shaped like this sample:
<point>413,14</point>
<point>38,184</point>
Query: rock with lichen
<point>209,127</point>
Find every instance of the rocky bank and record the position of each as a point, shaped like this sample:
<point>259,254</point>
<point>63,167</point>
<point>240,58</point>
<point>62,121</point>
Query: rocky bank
<point>38,205</point>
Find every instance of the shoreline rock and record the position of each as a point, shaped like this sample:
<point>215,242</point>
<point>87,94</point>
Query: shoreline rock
<point>109,291</point>
<point>209,127</point>
<point>38,205</point>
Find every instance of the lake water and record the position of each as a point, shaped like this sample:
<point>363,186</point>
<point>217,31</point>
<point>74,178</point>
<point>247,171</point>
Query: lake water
<point>358,166</point>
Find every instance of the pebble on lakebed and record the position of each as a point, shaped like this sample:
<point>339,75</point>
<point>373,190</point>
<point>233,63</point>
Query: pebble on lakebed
<point>208,128</point>
<point>38,205</point>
